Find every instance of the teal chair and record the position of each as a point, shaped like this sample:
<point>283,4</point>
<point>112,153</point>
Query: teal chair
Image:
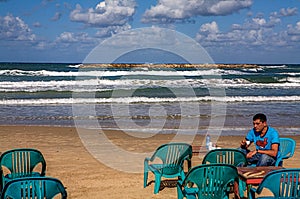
<point>227,156</point>
<point>231,156</point>
<point>35,188</point>
<point>287,148</point>
<point>207,181</point>
<point>283,183</point>
<point>167,161</point>
<point>19,163</point>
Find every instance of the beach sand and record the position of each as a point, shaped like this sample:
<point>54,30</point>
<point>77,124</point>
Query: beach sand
<point>86,177</point>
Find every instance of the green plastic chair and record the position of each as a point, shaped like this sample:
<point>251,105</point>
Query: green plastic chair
<point>287,149</point>
<point>227,156</point>
<point>34,187</point>
<point>19,163</point>
<point>207,181</point>
<point>283,183</point>
<point>231,156</point>
<point>167,161</point>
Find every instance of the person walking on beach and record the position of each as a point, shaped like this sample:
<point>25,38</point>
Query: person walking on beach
<point>266,141</point>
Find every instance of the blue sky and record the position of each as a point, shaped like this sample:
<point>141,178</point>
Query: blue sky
<point>231,31</point>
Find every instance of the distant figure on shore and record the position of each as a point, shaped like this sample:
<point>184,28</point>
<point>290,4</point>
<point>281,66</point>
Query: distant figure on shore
<point>266,141</point>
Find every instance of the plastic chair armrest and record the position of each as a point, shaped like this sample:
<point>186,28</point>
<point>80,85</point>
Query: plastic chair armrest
<point>187,158</point>
<point>278,161</point>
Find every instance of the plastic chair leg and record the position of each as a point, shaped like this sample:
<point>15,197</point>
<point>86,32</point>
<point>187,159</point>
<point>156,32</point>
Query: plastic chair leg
<point>242,188</point>
<point>157,183</point>
<point>145,178</point>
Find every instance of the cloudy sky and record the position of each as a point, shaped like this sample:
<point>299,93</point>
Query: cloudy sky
<point>230,31</point>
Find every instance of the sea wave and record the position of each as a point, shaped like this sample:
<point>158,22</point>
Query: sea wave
<point>140,72</point>
<point>132,100</point>
<point>98,85</point>
<point>75,66</point>
<point>274,66</point>
<point>107,73</point>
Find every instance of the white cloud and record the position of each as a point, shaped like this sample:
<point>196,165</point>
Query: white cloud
<point>294,32</point>
<point>210,27</point>
<point>170,11</point>
<point>255,32</point>
<point>259,21</point>
<point>109,13</point>
<point>289,11</point>
<point>41,45</point>
<point>69,37</point>
<point>209,31</point>
<point>68,42</point>
<point>14,28</point>
<point>108,31</point>
<point>101,6</point>
<point>296,29</point>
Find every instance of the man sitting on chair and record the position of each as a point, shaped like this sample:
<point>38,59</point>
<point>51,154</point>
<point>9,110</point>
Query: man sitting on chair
<point>266,141</point>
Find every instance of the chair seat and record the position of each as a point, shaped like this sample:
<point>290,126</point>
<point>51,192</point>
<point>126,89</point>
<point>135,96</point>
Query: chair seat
<point>191,193</point>
<point>12,176</point>
<point>170,171</point>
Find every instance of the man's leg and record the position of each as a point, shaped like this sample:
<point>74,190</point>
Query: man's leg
<point>245,151</point>
<point>266,160</point>
<point>254,159</point>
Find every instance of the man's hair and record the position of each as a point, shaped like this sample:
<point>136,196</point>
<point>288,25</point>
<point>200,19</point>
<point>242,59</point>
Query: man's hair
<point>262,117</point>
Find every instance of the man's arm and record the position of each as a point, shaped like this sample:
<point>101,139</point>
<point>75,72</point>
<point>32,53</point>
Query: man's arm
<point>272,152</point>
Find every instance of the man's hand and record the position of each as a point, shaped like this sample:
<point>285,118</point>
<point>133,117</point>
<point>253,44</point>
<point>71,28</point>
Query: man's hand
<point>244,144</point>
<point>251,154</point>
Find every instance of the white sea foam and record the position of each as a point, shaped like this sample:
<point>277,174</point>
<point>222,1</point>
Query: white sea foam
<point>136,72</point>
<point>130,100</point>
<point>252,69</point>
<point>275,66</point>
<point>103,73</point>
<point>93,85</point>
<point>293,79</point>
<point>75,66</point>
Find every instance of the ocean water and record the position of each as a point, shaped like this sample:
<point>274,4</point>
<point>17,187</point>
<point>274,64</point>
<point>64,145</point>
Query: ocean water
<point>157,100</point>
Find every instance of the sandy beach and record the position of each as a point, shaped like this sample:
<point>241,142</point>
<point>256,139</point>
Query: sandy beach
<point>86,177</point>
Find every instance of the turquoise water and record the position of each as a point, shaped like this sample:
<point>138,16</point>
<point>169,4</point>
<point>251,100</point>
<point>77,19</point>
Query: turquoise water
<point>151,100</point>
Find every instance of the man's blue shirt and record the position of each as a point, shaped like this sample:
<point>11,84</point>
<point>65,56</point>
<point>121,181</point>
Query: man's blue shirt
<point>265,142</point>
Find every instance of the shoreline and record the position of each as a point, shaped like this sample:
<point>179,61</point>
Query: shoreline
<point>227,130</point>
<point>85,176</point>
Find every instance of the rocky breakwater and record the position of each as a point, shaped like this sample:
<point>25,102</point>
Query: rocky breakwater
<point>125,65</point>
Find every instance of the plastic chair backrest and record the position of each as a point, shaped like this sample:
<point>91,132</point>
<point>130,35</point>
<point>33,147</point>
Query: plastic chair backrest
<point>172,156</point>
<point>212,180</point>
<point>287,149</point>
<point>227,156</point>
<point>21,163</point>
<point>283,183</point>
<point>34,187</point>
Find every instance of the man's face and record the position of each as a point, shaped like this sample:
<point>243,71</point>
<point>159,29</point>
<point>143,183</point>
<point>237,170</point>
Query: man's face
<point>259,125</point>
